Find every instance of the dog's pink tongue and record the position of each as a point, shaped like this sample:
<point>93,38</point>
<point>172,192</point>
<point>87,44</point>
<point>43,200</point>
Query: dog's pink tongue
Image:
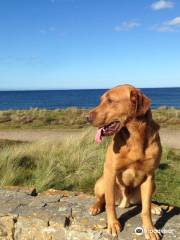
<point>99,136</point>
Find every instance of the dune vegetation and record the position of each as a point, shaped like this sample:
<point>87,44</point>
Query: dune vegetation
<point>75,164</point>
<point>36,118</point>
<point>70,118</point>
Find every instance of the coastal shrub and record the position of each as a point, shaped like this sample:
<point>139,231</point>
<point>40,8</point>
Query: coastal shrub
<point>73,118</point>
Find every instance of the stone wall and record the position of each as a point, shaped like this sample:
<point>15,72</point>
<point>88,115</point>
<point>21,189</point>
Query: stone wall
<point>62,215</point>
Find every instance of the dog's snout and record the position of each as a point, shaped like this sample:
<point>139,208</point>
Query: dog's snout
<point>90,117</point>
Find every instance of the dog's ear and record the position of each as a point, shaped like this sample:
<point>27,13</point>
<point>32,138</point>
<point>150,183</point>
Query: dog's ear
<point>140,102</point>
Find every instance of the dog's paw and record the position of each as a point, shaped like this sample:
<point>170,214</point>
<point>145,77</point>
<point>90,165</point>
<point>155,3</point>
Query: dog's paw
<point>155,209</point>
<point>114,227</point>
<point>151,233</point>
<point>95,209</point>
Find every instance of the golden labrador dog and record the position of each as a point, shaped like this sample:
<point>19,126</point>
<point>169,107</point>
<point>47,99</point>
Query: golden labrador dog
<point>131,158</point>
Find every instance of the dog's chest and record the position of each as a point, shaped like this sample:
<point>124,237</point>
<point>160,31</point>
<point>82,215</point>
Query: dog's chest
<point>132,177</point>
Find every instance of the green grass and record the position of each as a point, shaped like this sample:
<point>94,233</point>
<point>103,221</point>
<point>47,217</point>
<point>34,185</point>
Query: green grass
<point>75,164</point>
<point>168,178</point>
<point>73,118</point>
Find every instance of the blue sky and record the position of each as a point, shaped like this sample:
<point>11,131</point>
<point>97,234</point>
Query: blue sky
<point>57,44</point>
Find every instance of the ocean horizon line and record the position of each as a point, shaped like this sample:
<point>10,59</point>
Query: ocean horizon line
<point>74,89</point>
<point>81,98</point>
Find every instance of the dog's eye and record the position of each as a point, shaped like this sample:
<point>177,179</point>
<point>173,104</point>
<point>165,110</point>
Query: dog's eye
<point>109,100</point>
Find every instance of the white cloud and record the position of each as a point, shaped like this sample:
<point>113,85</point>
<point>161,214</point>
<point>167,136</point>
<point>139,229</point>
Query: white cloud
<point>163,28</point>
<point>174,22</point>
<point>162,4</point>
<point>172,25</point>
<point>126,26</point>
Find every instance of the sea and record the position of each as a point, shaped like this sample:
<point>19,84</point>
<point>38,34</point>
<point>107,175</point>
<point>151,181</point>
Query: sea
<point>55,99</point>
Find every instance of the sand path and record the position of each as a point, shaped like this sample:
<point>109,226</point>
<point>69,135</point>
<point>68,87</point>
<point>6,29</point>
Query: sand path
<point>169,137</point>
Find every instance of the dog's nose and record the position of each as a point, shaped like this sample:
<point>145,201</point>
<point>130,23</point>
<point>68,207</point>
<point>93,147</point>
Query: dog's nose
<point>90,117</point>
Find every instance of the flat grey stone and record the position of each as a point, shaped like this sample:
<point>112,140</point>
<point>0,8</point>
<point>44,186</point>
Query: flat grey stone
<point>62,215</point>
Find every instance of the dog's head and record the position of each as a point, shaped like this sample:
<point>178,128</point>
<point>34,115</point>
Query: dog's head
<point>117,106</point>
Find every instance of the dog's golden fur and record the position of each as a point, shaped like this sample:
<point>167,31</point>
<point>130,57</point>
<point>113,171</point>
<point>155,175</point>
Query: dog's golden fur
<point>131,158</point>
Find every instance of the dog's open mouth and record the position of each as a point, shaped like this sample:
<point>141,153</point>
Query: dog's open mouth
<point>107,130</point>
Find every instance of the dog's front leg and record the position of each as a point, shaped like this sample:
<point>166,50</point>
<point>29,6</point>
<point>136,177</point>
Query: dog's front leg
<point>146,195</point>
<point>109,182</point>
